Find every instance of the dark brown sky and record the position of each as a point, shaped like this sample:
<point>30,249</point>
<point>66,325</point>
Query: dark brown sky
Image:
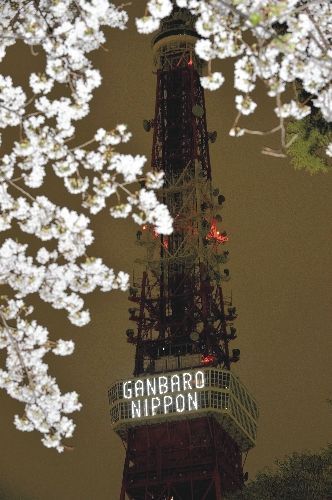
<point>279,222</point>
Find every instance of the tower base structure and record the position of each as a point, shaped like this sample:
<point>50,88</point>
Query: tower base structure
<point>184,460</point>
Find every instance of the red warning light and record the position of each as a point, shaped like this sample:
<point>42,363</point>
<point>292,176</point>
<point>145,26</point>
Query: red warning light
<point>156,235</point>
<point>208,359</point>
<point>214,234</point>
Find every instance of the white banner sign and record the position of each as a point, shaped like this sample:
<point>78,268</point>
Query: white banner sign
<point>164,394</point>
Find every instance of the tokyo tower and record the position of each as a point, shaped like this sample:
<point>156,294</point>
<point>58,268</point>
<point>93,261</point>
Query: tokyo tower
<point>185,418</point>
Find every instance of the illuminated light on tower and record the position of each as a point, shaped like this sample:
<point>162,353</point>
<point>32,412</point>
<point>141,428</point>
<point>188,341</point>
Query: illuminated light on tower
<point>184,417</point>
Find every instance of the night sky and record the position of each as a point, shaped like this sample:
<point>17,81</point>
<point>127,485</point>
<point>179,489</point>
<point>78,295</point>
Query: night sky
<point>279,223</point>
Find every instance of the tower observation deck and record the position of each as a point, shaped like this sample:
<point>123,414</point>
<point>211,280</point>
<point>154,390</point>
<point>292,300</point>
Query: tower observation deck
<point>184,417</point>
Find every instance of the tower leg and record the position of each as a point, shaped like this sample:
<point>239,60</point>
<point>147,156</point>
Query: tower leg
<point>125,467</point>
<point>181,462</point>
<point>217,484</point>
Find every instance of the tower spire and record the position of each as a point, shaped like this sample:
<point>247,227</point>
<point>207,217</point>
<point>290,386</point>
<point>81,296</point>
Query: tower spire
<point>176,32</point>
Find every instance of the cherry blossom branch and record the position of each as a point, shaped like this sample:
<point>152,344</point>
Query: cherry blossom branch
<point>262,132</point>
<point>58,274</point>
<point>14,343</point>
<point>23,191</point>
<point>324,41</point>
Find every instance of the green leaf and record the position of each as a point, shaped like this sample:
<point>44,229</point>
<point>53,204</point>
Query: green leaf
<point>312,135</point>
<point>255,18</point>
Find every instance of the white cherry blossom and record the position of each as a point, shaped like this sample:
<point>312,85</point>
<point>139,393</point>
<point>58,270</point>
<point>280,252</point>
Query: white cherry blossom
<point>293,109</point>
<point>147,24</point>
<point>159,8</point>
<point>213,81</point>
<point>245,105</point>
<point>62,33</point>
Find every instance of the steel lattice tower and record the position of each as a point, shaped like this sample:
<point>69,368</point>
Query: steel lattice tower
<point>184,417</point>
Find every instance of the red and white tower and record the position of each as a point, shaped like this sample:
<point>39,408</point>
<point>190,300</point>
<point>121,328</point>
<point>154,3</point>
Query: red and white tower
<point>184,417</point>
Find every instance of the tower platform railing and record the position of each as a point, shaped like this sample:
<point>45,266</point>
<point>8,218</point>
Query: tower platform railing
<point>186,394</point>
